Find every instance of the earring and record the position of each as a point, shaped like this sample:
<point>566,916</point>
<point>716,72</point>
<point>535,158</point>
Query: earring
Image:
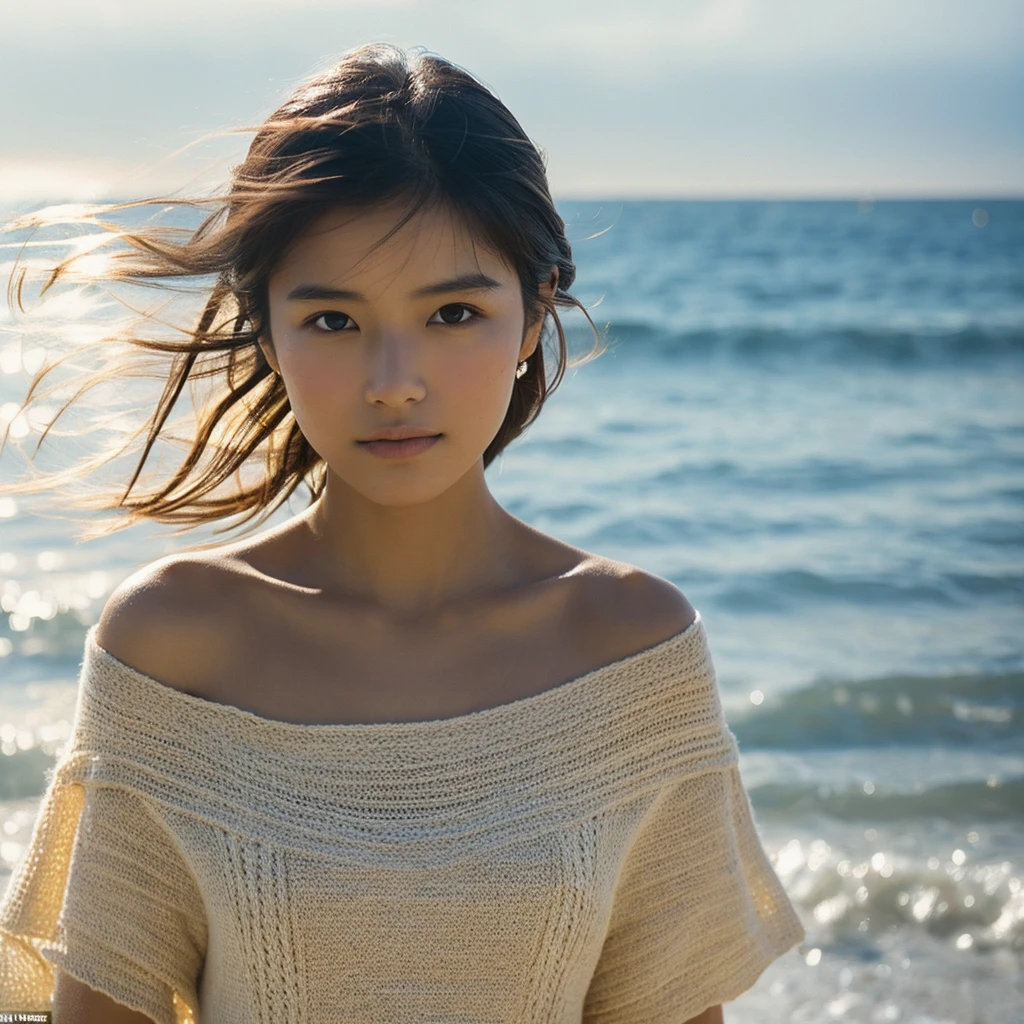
<point>521,369</point>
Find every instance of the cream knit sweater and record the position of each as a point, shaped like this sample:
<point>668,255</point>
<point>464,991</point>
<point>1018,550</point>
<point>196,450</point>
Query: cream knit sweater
<point>586,854</point>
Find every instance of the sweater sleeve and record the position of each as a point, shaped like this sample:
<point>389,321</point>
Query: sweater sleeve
<point>105,893</point>
<point>698,912</point>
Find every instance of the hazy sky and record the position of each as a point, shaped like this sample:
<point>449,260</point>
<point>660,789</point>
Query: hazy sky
<point>651,97</point>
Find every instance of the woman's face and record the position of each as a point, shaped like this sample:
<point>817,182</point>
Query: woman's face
<point>424,330</point>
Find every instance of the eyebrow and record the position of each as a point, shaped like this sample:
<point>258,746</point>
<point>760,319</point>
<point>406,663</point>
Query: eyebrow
<point>465,282</point>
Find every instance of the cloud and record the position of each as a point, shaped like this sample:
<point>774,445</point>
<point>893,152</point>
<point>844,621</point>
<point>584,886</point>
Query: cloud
<point>606,32</point>
<point>655,96</point>
<point>720,20</point>
<point>134,17</point>
<point>30,180</point>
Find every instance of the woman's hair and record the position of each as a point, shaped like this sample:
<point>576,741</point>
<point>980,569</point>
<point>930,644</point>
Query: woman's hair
<point>376,126</point>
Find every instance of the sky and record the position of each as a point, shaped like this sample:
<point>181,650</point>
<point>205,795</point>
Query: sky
<point>645,99</point>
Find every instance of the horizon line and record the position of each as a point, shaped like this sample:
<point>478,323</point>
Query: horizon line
<point>842,197</point>
<point>617,197</point>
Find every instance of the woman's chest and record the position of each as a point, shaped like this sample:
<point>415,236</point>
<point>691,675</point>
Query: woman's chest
<point>309,667</point>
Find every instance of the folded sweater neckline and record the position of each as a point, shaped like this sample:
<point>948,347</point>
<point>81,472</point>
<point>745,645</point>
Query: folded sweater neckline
<point>421,792</point>
<point>269,727</point>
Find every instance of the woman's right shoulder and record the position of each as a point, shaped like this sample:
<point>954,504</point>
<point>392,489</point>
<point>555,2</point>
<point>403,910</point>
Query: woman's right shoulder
<point>167,620</point>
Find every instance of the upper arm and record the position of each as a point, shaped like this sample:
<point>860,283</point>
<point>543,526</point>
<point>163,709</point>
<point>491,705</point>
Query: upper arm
<point>656,611</point>
<point>74,1002</point>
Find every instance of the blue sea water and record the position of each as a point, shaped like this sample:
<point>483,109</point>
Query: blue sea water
<point>810,417</point>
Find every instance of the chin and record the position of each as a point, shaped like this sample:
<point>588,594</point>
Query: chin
<point>395,485</point>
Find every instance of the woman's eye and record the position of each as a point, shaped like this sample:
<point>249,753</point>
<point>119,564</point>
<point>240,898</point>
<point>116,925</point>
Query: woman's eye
<point>332,321</point>
<point>454,313</point>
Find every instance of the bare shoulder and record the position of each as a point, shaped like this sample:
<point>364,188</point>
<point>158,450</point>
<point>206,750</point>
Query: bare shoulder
<point>167,617</point>
<point>627,609</point>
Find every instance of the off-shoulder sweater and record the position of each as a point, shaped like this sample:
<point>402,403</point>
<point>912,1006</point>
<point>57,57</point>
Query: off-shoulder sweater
<point>584,854</point>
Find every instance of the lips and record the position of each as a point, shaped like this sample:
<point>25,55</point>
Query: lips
<point>399,434</point>
<point>401,449</point>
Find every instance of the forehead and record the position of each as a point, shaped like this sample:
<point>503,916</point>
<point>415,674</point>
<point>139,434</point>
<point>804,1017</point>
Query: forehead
<point>366,242</point>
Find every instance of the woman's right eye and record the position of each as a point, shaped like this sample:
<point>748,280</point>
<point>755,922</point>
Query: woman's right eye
<point>332,322</point>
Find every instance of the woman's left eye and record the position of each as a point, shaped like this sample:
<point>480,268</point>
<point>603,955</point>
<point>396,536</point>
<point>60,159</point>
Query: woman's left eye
<point>454,313</point>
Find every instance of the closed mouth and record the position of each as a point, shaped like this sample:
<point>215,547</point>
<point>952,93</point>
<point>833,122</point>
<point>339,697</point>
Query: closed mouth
<point>397,440</point>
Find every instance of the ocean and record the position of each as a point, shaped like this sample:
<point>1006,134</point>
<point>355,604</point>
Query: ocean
<point>810,418</point>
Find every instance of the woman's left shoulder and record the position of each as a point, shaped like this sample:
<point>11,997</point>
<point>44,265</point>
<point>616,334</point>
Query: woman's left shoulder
<point>630,608</point>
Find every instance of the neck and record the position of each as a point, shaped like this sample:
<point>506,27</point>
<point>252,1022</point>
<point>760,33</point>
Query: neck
<point>417,558</point>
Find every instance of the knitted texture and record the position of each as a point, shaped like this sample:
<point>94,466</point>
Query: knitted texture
<point>585,855</point>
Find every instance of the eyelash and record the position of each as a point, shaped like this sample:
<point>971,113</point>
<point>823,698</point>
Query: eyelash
<point>475,315</point>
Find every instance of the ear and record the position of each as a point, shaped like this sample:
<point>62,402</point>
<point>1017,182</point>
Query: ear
<point>268,350</point>
<point>531,338</point>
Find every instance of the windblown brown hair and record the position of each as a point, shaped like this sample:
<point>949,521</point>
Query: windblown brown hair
<point>377,125</point>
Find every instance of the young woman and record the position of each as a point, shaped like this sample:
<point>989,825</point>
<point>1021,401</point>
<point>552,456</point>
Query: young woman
<point>403,757</point>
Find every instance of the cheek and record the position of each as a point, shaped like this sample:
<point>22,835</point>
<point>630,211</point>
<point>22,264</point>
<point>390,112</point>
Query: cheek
<point>319,387</point>
<point>478,384</point>
<point>306,366</point>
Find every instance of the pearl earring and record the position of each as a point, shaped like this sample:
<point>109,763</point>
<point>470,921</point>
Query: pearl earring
<point>521,369</point>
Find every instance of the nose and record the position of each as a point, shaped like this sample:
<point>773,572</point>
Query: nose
<point>393,370</point>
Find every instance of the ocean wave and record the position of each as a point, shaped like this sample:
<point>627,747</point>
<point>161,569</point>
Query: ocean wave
<point>965,803</point>
<point>892,346</point>
<point>975,710</point>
